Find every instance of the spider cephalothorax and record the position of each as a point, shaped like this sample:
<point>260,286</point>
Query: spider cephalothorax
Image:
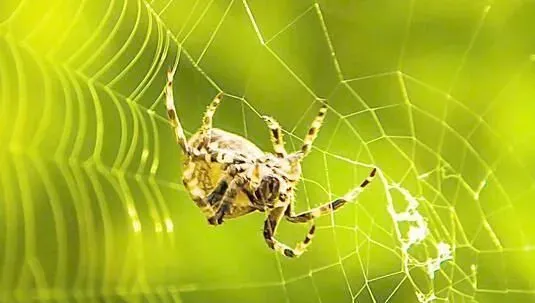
<point>228,176</point>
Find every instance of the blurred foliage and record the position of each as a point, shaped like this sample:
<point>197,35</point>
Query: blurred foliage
<point>437,94</point>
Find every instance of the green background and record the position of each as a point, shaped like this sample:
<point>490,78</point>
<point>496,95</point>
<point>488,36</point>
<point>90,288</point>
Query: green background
<point>439,95</point>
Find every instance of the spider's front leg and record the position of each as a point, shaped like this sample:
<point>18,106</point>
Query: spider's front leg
<point>197,191</point>
<point>270,228</point>
<point>225,200</point>
<point>208,202</point>
<point>219,201</point>
<point>332,206</point>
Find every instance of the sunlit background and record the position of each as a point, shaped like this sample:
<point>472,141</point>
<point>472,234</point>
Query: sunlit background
<point>439,95</point>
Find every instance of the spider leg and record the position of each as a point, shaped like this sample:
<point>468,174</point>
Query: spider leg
<point>270,228</point>
<point>216,196</point>
<point>276,136</point>
<point>225,201</point>
<point>172,115</point>
<point>208,203</point>
<point>313,131</point>
<point>208,117</point>
<point>197,193</point>
<point>332,206</point>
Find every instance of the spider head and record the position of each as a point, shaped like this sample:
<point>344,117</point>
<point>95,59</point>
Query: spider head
<point>268,189</point>
<point>265,184</point>
<point>273,179</point>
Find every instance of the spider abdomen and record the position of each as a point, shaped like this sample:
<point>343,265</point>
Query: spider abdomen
<point>224,140</point>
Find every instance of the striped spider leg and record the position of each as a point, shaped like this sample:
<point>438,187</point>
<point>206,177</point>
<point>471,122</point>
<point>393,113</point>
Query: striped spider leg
<point>270,229</point>
<point>331,206</point>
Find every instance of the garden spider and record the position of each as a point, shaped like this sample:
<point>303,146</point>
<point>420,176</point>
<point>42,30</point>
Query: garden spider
<point>228,176</point>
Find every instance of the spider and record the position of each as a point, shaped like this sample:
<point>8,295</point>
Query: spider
<point>227,176</point>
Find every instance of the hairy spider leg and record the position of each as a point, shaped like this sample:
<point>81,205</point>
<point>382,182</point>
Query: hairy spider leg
<point>207,202</point>
<point>270,228</point>
<point>276,136</point>
<point>226,201</point>
<point>197,193</point>
<point>172,115</point>
<point>208,117</point>
<point>332,206</point>
<point>216,196</point>
<point>210,203</point>
<point>313,131</point>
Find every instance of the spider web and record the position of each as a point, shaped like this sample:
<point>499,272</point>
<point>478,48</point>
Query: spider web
<point>436,95</point>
